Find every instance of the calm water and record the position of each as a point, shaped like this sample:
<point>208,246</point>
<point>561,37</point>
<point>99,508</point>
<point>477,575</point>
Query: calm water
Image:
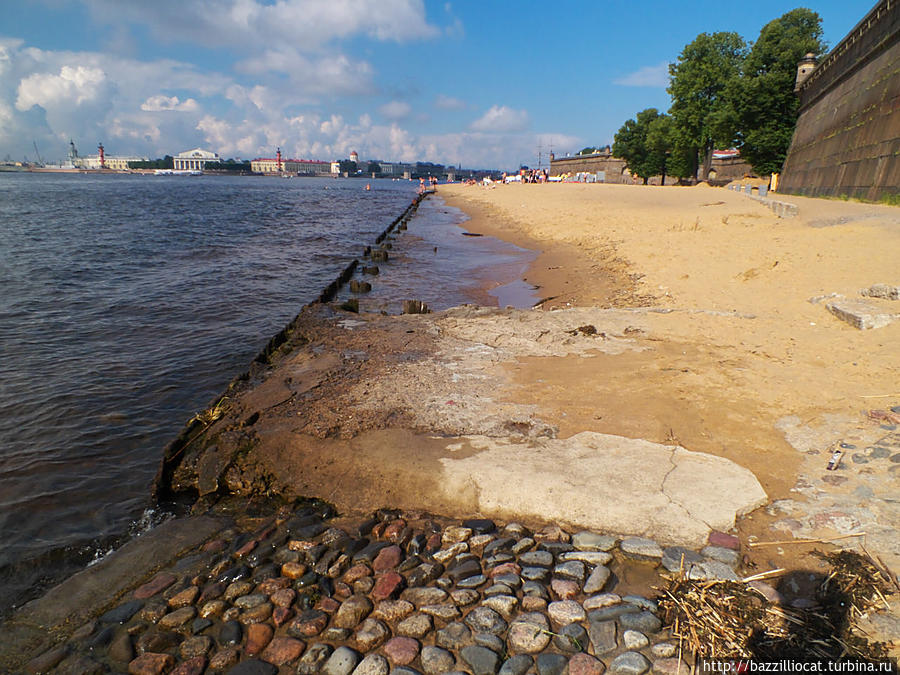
<point>128,302</point>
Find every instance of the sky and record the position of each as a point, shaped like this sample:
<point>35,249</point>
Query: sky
<point>481,84</point>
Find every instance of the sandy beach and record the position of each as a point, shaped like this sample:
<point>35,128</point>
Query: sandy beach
<point>747,360</point>
<point>745,346</point>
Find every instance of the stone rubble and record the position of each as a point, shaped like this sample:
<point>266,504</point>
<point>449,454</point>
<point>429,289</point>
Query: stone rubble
<point>398,593</point>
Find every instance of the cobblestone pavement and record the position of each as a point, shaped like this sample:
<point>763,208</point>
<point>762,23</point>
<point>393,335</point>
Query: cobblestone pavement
<point>860,497</point>
<point>396,593</point>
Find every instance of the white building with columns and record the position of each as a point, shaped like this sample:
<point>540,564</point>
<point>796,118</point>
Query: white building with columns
<point>194,160</point>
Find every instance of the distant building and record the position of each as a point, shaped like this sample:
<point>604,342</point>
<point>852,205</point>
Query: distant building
<point>397,169</point>
<point>299,167</point>
<point>193,160</point>
<point>112,162</point>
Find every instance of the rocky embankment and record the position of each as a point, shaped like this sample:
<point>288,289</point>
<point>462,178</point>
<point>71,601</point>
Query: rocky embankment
<point>397,592</point>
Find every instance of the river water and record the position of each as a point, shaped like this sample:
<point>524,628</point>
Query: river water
<point>128,302</point>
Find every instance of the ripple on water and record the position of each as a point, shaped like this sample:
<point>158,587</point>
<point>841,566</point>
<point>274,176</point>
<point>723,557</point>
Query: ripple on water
<point>130,301</point>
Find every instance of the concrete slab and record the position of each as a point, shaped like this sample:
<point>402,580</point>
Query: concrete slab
<point>606,483</point>
<point>861,314</point>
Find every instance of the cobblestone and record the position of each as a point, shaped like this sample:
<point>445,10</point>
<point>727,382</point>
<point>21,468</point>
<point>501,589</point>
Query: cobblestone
<point>418,594</point>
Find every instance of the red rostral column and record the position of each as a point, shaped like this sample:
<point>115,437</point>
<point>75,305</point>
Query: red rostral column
<point>278,159</point>
<point>102,156</point>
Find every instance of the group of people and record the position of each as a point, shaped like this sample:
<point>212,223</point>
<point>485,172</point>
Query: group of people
<point>534,175</point>
<point>432,181</point>
<point>527,176</point>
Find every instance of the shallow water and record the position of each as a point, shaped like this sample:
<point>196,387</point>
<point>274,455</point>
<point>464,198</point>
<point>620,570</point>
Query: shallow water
<point>129,302</point>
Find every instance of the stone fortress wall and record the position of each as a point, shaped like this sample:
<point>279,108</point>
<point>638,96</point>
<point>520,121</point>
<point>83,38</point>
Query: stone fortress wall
<point>722,170</point>
<point>847,139</point>
<point>612,168</point>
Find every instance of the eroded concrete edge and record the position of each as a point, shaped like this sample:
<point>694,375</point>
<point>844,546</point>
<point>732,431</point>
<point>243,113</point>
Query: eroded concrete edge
<point>49,619</point>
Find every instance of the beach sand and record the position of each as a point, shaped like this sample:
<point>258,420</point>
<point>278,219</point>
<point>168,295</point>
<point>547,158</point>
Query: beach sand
<point>747,363</point>
<point>744,345</point>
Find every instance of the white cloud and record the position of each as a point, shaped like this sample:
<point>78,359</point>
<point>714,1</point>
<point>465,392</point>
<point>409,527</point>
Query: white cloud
<point>332,125</point>
<point>296,38</point>
<point>311,78</point>
<point>306,24</point>
<point>228,140</point>
<point>87,96</point>
<point>129,104</point>
<point>501,119</point>
<point>161,103</point>
<point>332,137</point>
<point>455,28</point>
<point>648,76</point>
<point>395,110</point>
<point>72,86</point>
<point>7,48</point>
<point>6,115</point>
<point>448,103</point>
<point>134,129</point>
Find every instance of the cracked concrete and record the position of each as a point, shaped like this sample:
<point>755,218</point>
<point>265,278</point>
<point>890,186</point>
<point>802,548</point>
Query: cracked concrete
<point>605,482</point>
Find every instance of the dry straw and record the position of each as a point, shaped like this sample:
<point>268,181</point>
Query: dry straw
<point>718,619</point>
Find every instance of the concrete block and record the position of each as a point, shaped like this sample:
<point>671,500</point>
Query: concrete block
<point>885,291</point>
<point>860,314</point>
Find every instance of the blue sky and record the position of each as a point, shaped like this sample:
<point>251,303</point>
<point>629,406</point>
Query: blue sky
<point>482,84</point>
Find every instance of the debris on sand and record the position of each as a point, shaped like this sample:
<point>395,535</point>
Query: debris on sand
<point>715,619</point>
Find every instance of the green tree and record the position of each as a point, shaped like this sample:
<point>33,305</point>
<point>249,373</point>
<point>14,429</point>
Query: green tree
<point>631,144</point>
<point>348,167</point>
<point>764,98</point>
<point>699,83</point>
<point>374,167</point>
<point>587,151</point>
<point>664,138</point>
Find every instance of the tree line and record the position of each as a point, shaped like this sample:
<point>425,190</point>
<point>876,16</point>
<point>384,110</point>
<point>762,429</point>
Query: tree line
<point>725,93</point>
